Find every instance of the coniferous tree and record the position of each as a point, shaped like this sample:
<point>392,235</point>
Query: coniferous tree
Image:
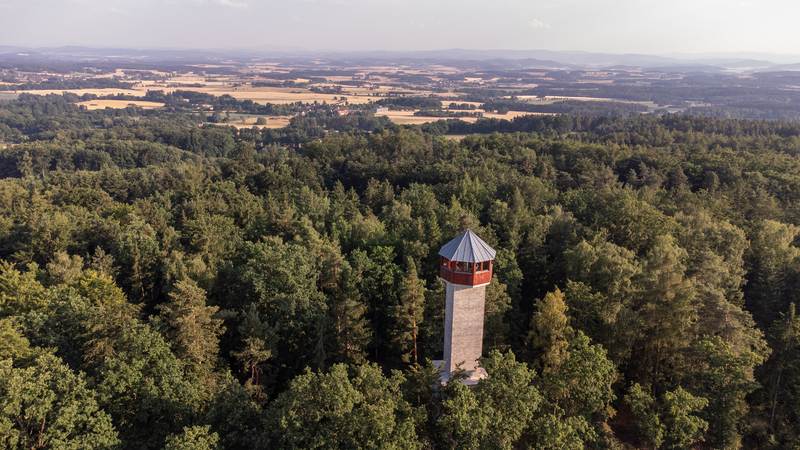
<point>13,344</point>
<point>671,421</point>
<point>254,351</point>
<point>193,438</point>
<point>496,329</point>
<point>408,313</point>
<point>782,378</point>
<point>665,311</point>
<point>192,328</point>
<point>350,329</point>
<point>772,270</point>
<point>550,332</point>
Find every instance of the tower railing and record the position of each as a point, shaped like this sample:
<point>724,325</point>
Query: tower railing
<point>467,274</point>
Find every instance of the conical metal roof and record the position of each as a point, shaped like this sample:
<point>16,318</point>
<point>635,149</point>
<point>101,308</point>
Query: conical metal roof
<point>469,248</point>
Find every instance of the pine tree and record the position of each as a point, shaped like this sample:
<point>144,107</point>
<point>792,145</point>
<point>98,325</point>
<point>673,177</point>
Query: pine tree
<point>254,353</point>
<point>255,350</point>
<point>192,328</point>
<point>771,268</point>
<point>669,422</point>
<point>408,313</point>
<point>25,165</point>
<point>665,309</point>
<point>13,344</point>
<point>550,331</point>
<point>350,328</point>
<point>649,428</point>
<point>109,316</point>
<point>684,427</point>
<point>496,329</point>
<point>193,438</point>
<point>783,377</point>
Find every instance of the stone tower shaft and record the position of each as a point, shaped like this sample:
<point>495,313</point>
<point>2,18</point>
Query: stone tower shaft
<point>466,268</point>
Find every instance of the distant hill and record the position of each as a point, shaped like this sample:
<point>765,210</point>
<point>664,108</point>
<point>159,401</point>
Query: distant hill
<point>520,58</point>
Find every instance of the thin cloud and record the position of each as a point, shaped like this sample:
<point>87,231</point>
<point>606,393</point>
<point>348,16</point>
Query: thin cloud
<point>232,3</point>
<point>226,3</point>
<point>538,24</point>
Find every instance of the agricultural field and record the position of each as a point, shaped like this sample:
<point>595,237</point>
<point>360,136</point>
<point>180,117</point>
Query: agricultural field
<point>407,117</point>
<point>118,104</point>
<point>326,82</point>
<point>496,92</point>
<point>100,92</point>
<point>284,84</point>
<point>250,121</point>
<point>263,95</point>
<point>277,95</point>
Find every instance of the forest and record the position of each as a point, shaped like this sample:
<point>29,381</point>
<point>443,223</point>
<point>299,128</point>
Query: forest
<point>170,285</point>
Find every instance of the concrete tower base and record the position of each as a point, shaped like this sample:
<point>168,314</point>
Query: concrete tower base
<point>463,332</point>
<point>471,377</point>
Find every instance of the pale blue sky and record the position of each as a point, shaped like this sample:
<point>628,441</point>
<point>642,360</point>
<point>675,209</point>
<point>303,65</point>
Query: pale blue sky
<point>645,26</point>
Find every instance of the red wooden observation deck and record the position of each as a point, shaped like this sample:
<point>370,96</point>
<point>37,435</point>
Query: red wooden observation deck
<point>467,260</point>
<point>467,274</point>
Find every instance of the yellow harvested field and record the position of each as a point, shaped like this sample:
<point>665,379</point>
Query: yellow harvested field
<point>275,95</point>
<point>278,121</point>
<point>273,122</point>
<point>261,95</point>
<point>408,118</point>
<point>278,96</point>
<point>119,104</point>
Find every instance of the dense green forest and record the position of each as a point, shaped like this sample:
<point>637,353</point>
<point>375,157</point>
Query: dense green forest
<point>169,285</point>
<point>67,84</point>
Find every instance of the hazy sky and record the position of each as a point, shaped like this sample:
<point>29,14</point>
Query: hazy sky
<point>646,26</point>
